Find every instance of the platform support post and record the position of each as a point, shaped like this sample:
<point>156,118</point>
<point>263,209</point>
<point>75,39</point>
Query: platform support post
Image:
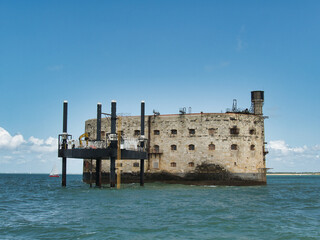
<point>64,143</point>
<point>98,161</point>
<point>113,144</point>
<point>91,173</point>
<point>142,144</point>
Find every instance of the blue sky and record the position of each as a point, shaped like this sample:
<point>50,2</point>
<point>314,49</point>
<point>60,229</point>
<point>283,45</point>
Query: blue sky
<point>171,54</point>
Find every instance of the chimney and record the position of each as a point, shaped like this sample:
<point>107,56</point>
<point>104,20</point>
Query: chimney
<point>257,99</point>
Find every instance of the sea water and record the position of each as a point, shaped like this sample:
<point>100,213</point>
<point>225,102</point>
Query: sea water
<point>37,207</point>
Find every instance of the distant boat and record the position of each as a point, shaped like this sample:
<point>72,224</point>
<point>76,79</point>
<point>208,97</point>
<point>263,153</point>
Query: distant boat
<point>54,172</point>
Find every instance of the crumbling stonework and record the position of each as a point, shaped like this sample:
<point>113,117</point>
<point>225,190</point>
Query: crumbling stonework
<point>201,148</point>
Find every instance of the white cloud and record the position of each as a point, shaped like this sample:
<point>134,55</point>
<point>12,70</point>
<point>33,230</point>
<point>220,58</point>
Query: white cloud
<point>41,145</point>
<point>283,157</point>
<point>280,145</point>
<point>8,141</point>
<point>36,141</point>
<point>33,155</point>
<point>33,144</point>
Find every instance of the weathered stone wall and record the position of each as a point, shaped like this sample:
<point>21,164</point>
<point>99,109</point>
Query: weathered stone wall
<point>191,146</point>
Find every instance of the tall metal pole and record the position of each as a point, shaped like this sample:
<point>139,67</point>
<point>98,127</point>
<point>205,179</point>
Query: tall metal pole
<point>98,161</point>
<point>113,144</point>
<point>64,143</point>
<point>142,144</point>
<point>119,154</point>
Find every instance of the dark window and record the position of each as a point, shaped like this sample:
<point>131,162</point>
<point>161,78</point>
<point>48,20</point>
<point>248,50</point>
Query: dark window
<point>235,163</point>
<point>156,148</point>
<point>212,147</point>
<point>156,132</point>
<point>252,131</point>
<point>252,147</point>
<point>234,130</point>
<point>192,131</point>
<point>136,164</point>
<point>234,147</point>
<point>173,147</point>
<point>119,164</point>
<point>103,135</point>
<point>173,164</point>
<point>191,147</point>
<point>136,132</point>
<point>173,131</point>
<point>212,131</point>
<point>191,164</point>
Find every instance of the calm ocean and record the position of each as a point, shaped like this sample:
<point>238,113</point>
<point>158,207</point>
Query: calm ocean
<point>37,207</point>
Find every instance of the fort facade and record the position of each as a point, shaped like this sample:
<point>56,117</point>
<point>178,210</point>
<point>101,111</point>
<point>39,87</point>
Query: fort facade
<point>197,148</point>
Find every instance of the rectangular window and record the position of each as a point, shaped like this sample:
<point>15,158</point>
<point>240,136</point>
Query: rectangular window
<point>156,132</point>
<point>135,164</point>
<point>192,131</point>
<point>234,131</point>
<point>174,131</point>
<point>136,132</point>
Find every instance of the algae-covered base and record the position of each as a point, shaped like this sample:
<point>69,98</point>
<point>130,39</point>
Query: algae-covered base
<point>221,179</point>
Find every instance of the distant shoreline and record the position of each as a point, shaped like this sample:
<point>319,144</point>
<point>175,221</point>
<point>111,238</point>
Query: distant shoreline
<point>293,174</point>
<point>41,173</point>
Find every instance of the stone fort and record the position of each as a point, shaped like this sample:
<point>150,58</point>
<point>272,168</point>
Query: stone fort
<point>192,148</point>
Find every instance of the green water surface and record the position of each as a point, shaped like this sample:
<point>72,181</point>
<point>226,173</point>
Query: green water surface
<point>37,207</point>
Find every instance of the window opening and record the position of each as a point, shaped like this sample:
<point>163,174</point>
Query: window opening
<point>156,148</point>
<point>192,131</point>
<point>212,147</point>
<point>191,147</point>
<point>136,132</point>
<point>252,131</point>
<point>173,164</point>
<point>234,130</point>
<point>234,147</point>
